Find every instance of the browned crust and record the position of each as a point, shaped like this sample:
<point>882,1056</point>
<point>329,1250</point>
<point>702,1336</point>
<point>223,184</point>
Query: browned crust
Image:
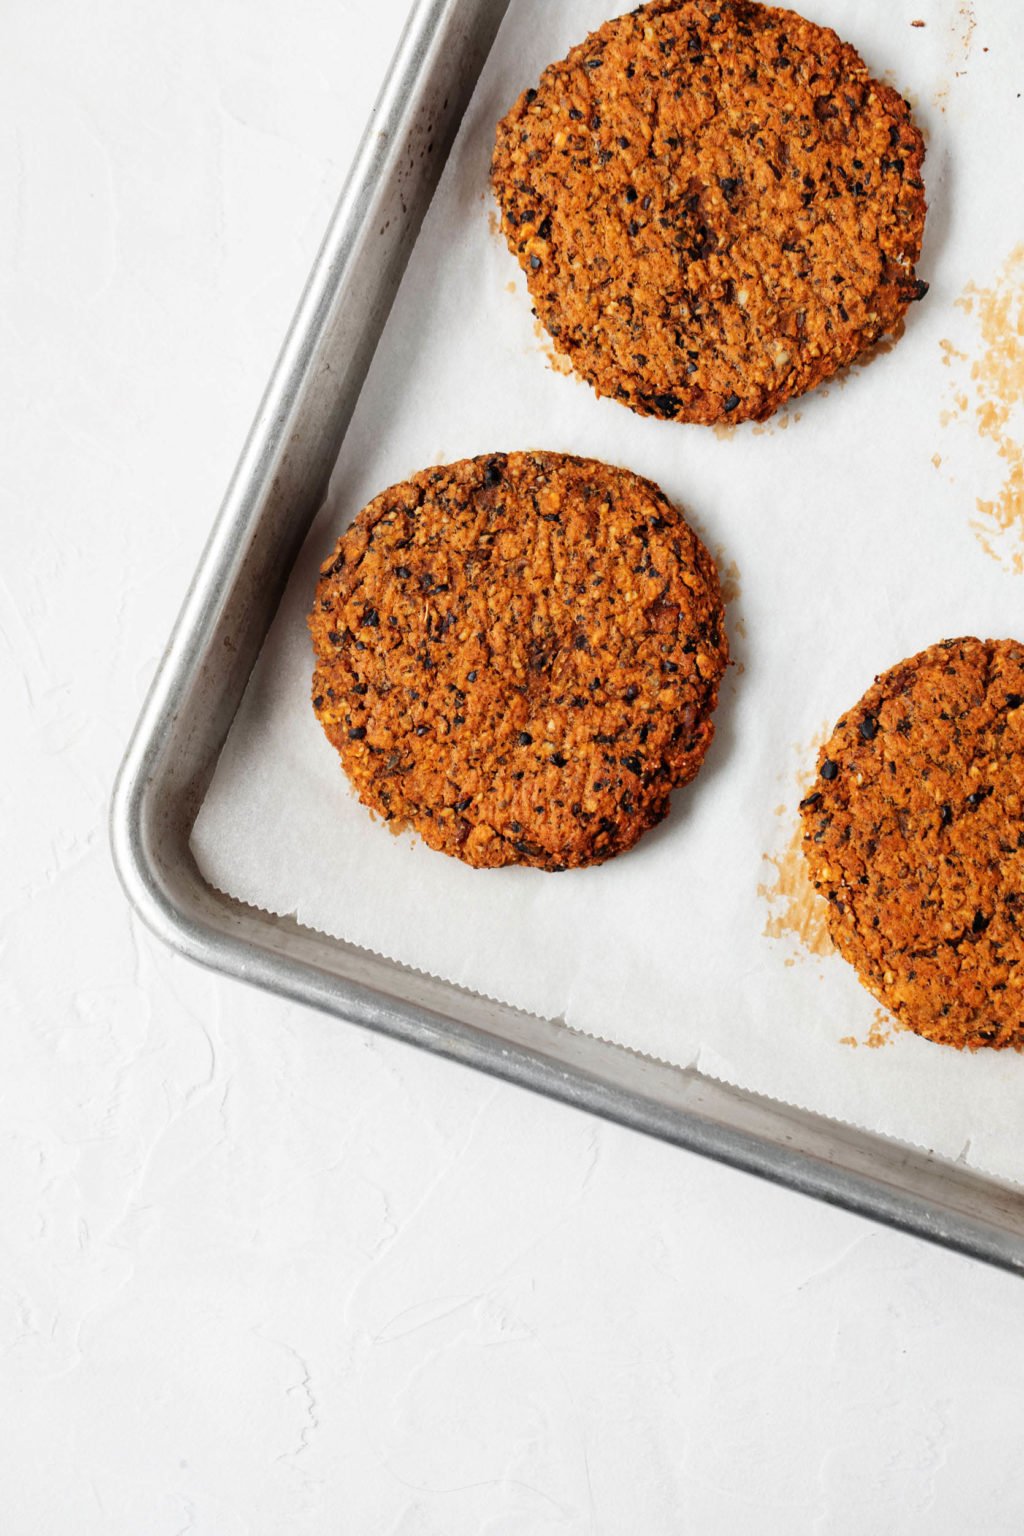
<point>914,832</point>
<point>518,655</point>
<point>715,207</point>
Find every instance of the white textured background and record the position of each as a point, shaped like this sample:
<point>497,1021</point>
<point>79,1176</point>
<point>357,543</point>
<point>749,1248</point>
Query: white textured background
<point>260,1273</point>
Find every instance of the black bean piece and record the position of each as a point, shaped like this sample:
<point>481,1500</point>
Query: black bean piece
<point>829,770</point>
<point>525,739</point>
<point>558,759</point>
<point>357,733</point>
<point>730,402</point>
<point>868,728</point>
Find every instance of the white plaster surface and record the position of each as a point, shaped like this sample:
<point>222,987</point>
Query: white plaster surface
<point>261,1273</point>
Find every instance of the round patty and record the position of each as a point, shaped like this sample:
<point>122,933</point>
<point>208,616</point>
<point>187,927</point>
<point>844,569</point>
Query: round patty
<point>518,655</point>
<point>915,833</point>
<point>715,207</point>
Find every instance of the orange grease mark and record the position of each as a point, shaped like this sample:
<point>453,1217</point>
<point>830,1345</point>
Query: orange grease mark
<point>493,222</point>
<point>997,388</point>
<point>795,910</point>
<point>729,577</point>
<point>968,22</point>
<point>556,360</point>
<point>881,1031</point>
<point>782,419</point>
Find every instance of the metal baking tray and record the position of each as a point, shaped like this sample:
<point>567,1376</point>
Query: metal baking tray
<point>278,486</point>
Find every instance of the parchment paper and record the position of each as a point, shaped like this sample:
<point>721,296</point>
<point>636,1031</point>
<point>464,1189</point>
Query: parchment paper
<point>846,530</point>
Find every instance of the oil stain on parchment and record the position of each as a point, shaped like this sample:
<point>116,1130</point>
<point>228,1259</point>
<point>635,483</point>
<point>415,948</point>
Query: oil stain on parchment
<point>795,910</point>
<point>882,1030</point>
<point>557,361</point>
<point>987,390</point>
<point>729,580</point>
<point>958,53</point>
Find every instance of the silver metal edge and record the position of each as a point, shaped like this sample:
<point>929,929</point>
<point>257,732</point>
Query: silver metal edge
<point>218,933</point>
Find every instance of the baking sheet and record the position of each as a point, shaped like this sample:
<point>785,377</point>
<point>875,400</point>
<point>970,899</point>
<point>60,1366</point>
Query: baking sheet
<point>870,519</point>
